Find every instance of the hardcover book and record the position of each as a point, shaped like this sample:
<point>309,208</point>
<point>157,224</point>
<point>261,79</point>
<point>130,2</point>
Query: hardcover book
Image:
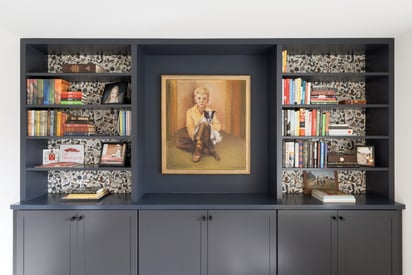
<point>72,153</point>
<point>82,68</point>
<point>333,196</point>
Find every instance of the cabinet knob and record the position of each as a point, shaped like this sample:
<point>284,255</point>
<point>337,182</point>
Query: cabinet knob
<point>79,218</point>
<point>72,218</point>
<point>203,218</point>
<point>341,218</point>
<point>210,218</point>
<point>334,218</point>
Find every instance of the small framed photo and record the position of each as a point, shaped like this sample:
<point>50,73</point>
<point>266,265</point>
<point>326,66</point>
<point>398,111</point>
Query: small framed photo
<point>365,155</point>
<point>114,93</point>
<point>113,154</point>
<point>319,179</point>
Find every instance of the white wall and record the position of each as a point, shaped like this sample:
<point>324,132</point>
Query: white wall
<point>403,134</point>
<point>9,140</point>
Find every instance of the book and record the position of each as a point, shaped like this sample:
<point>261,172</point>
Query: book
<point>59,164</point>
<point>353,101</point>
<point>50,156</point>
<point>82,68</point>
<point>333,196</point>
<point>87,194</point>
<point>72,153</point>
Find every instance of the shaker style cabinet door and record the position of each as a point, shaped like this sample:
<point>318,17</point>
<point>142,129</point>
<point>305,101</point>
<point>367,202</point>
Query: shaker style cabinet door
<point>172,242</point>
<point>43,241</point>
<point>241,242</point>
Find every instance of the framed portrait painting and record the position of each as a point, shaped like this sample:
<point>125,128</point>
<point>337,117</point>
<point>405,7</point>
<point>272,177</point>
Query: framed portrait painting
<point>205,124</point>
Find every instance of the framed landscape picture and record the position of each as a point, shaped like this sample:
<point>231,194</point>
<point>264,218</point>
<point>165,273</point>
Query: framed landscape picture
<point>205,124</point>
<point>365,155</point>
<point>319,179</point>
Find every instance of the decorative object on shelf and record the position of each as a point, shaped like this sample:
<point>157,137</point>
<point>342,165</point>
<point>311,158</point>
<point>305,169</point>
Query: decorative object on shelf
<point>205,124</point>
<point>365,155</point>
<point>342,160</point>
<point>319,179</point>
<point>113,154</point>
<point>50,156</point>
<point>72,153</point>
<point>114,93</point>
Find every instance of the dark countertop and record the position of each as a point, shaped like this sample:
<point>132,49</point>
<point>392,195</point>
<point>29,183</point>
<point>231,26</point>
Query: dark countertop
<point>206,201</point>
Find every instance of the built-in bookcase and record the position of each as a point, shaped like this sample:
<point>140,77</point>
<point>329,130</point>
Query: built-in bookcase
<point>356,68</point>
<point>356,71</point>
<point>43,60</point>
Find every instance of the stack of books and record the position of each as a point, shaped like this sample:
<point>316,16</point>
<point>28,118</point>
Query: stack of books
<point>87,194</point>
<point>340,130</point>
<point>323,96</point>
<point>79,126</point>
<point>333,196</point>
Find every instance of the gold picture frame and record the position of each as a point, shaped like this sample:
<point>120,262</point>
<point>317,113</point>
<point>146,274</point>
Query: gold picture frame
<point>213,142</point>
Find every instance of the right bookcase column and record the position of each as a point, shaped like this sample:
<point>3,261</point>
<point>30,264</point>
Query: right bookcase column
<point>345,84</point>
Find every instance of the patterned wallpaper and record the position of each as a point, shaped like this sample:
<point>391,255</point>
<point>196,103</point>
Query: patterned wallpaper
<point>119,181</point>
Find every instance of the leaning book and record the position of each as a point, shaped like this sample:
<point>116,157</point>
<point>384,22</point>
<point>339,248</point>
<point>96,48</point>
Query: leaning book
<point>333,196</point>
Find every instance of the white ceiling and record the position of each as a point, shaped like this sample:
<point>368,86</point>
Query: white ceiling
<point>207,18</point>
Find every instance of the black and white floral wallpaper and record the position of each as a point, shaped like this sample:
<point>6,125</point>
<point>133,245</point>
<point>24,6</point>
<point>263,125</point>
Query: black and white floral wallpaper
<point>119,181</point>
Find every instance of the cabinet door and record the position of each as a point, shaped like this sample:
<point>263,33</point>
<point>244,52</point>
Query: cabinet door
<point>241,242</point>
<point>365,242</point>
<point>44,242</point>
<point>305,242</point>
<point>107,242</point>
<point>172,242</point>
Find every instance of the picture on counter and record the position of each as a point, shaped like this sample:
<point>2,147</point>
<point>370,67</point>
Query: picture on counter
<point>113,154</point>
<point>205,124</point>
<point>114,93</point>
<point>365,155</point>
<point>315,179</point>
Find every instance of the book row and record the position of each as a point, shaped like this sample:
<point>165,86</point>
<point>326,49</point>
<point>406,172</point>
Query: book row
<point>297,91</point>
<point>304,154</point>
<point>311,122</point>
<point>59,123</point>
<point>51,91</point>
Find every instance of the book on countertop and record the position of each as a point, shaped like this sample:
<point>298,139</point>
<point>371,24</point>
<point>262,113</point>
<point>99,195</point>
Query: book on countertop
<point>82,68</point>
<point>353,101</point>
<point>333,196</point>
<point>88,194</point>
<point>59,164</point>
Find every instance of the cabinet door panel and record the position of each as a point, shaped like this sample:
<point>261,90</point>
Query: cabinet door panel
<point>364,242</point>
<point>107,242</point>
<point>305,242</point>
<point>44,243</point>
<point>241,242</point>
<point>172,242</point>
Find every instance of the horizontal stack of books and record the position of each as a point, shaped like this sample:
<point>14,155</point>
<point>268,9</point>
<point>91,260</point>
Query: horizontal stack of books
<point>323,96</point>
<point>79,126</point>
<point>340,130</point>
<point>333,196</point>
<point>87,194</point>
